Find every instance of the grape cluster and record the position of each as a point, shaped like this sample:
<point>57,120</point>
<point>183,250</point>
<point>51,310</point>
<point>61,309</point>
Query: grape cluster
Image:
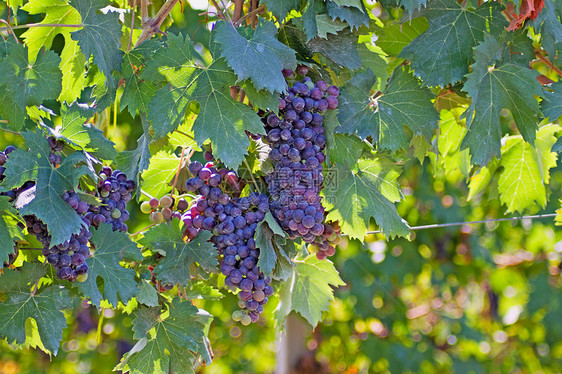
<point>55,157</point>
<point>233,222</point>
<point>69,258</point>
<point>297,140</point>
<point>115,191</point>
<point>163,209</point>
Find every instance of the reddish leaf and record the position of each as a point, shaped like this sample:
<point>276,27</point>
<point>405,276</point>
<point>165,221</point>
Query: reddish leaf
<point>529,9</point>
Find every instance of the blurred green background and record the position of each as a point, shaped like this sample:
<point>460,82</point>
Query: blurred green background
<point>468,299</point>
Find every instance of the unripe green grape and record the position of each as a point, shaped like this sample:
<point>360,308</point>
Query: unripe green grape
<point>166,201</point>
<point>81,277</point>
<point>313,248</point>
<point>241,304</point>
<point>156,217</point>
<point>237,315</point>
<point>245,320</point>
<point>145,207</point>
<point>115,213</point>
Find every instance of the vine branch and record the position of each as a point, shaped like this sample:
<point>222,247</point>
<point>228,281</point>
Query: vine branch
<point>152,25</point>
<point>250,14</point>
<point>223,15</point>
<point>549,63</point>
<point>30,25</point>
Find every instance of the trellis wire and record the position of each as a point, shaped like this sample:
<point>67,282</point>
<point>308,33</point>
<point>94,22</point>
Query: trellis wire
<point>438,225</point>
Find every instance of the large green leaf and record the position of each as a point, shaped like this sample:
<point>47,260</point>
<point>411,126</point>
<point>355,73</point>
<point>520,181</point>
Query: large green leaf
<point>100,36</point>
<point>354,16</point>
<point>137,92</point>
<point>393,38</point>
<point>23,302</point>
<point>442,54</point>
<point>75,129</point>
<point>56,12</point>
<point>352,197</point>
<point>259,57</point>
<point>51,182</point>
<point>24,83</point>
<point>526,170</point>
<point>492,88</point>
<point>308,291</point>
<point>403,103</point>
<point>175,267</point>
<point>280,8</point>
<point>548,24</point>
<point>111,247</point>
<point>341,48</point>
<point>156,179</point>
<point>168,343</point>
<point>341,148</point>
<point>221,119</point>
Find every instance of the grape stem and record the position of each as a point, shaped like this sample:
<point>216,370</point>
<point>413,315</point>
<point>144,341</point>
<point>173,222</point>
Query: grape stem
<point>252,176</point>
<point>9,131</point>
<point>142,230</point>
<point>249,14</point>
<point>10,29</point>
<point>147,194</point>
<point>35,287</point>
<point>222,14</point>
<point>185,134</point>
<point>132,25</point>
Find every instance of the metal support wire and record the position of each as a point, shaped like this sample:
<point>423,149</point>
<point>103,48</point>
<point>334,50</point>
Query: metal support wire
<point>438,225</point>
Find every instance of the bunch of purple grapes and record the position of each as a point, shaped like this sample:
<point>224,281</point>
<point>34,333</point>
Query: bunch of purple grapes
<point>297,141</point>
<point>233,222</point>
<point>55,157</point>
<point>115,191</point>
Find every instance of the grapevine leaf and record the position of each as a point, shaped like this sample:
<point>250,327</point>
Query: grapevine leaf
<point>340,48</point>
<point>260,98</point>
<point>137,92</point>
<point>221,119</point>
<point>26,84</point>
<point>551,105</point>
<point>350,3</point>
<point>353,16</point>
<point>412,5</point>
<point>280,8</point>
<point>100,36</point>
<point>395,37</point>
<point>308,291</point>
<point>9,231</point>
<point>174,268</point>
<point>480,180</point>
<point>309,21</point>
<point>493,88</point>
<point>72,67</point>
<point>56,12</point>
<point>118,282</point>
<point>173,346</point>
<point>134,162</point>
<point>202,291</point>
<point>403,103</point>
<point>21,303</point>
<point>440,56</point>
<point>352,197</point>
<point>451,133</point>
<point>375,59</point>
<point>557,147</point>
<point>526,170</point>
<point>75,129</point>
<point>343,149</point>
<point>156,179</point>
<point>549,26</point>
<point>269,236</point>
<point>326,25</point>
<point>259,58</point>
<point>48,205</point>
<point>147,294</point>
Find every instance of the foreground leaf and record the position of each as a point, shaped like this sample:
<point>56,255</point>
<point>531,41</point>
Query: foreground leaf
<point>352,197</point>
<point>440,55</point>
<point>260,57</point>
<point>168,344</point>
<point>21,303</point>
<point>492,88</point>
<point>269,237</point>
<point>48,205</point>
<point>175,267</point>
<point>221,119</point>
<point>119,283</point>
<point>308,290</point>
<point>9,230</point>
<point>403,103</point>
<point>157,178</point>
